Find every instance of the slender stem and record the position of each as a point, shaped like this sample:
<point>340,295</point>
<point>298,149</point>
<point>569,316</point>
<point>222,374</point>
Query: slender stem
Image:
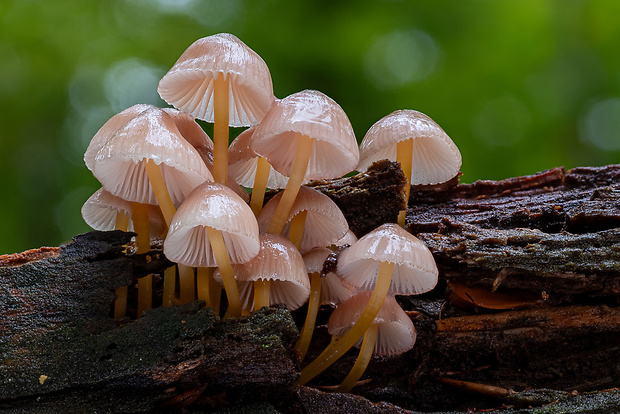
<point>203,284</point>
<point>335,350</point>
<point>263,168</point>
<point>404,155</point>
<point>145,294</point>
<point>139,215</point>
<point>156,178</point>
<point>302,157</point>
<point>223,263</point>
<point>120,304</point>
<point>170,276</point>
<point>220,128</point>
<point>296,233</point>
<point>262,291</point>
<point>363,358</point>
<point>303,343</point>
<point>187,282</point>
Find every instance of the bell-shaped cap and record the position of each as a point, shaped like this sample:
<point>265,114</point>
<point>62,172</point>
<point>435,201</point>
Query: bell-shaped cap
<point>152,135</point>
<point>436,158</point>
<point>188,85</point>
<point>317,116</point>
<point>325,224</point>
<point>216,206</point>
<point>333,288</point>
<point>242,163</point>
<point>415,270</point>
<point>101,209</point>
<point>395,332</point>
<point>279,262</point>
<point>194,134</point>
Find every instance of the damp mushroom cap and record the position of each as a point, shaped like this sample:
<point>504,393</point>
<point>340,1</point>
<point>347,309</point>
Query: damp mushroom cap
<point>333,288</point>
<point>314,115</point>
<point>189,84</point>
<point>395,334</point>
<point>101,209</point>
<point>414,272</point>
<point>279,262</point>
<point>218,207</point>
<point>325,224</point>
<point>436,158</point>
<point>150,135</point>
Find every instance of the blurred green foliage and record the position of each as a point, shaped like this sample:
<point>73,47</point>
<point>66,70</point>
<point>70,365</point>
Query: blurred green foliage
<point>520,86</point>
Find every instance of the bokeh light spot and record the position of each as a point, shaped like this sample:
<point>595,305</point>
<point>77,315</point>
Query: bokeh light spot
<point>600,126</point>
<point>400,58</point>
<point>133,81</point>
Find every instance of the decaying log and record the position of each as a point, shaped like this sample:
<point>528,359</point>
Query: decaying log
<point>525,315</point>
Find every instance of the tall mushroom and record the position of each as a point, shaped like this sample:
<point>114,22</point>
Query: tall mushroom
<point>214,227</point>
<point>386,260</point>
<point>219,79</point>
<point>306,135</point>
<point>426,153</point>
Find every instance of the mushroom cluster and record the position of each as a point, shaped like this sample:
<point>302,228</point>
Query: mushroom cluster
<point>165,179</point>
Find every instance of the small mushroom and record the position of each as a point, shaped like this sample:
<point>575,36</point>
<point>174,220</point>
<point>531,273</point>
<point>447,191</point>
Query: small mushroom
<point>426,153</point>
<point>214,227</point>
<point>391,332</point>
<point>388,260</point>
<point>221,80</point>
<point>306,135</point>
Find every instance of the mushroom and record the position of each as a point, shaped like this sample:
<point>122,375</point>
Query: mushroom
<point>251,171</point>
<point>221,80</point>
<point>306,135</point>
<point>214,227</point>
<point>391,332</point>
<point>324,289</point>
<point>426,153</point>
<point>279,264</point>
<point>314,219</point>
<point>387,260</point>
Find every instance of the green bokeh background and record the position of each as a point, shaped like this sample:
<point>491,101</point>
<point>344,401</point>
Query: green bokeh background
<point>520,86</point>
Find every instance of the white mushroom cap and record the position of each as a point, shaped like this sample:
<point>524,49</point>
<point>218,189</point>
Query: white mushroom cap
<point>101,208</point>
<point>333,288</point>
<point>415,270</point>
<point>348,239</point>
<point>325,223</point>
<point>279,262</point>
<point>436,158</point>
<point>315,115</point>
<point>242,162</point>
<point>395,334</point>
<point>188,85</point>
<point>152,134</point>
<point>109,129</point>
<point>194,134</point>
<point>218,207</point>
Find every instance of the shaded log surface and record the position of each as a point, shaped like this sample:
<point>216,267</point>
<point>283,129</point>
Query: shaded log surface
<point>549,243</point>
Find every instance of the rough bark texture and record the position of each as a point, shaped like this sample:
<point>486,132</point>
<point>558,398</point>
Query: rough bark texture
<point>525,316</point>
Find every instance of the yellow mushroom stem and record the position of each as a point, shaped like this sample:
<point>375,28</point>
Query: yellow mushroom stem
<point>262,292</point>
<point>156,179</point>
<point>140,217</point>
<point>296,233</point>
<point>223,263</point>
<point>263,168</point>
<point>404,155</point>
<point>203,284</point>
<point>170,276</point>
<point>220,128</point>
<point>363,358</point>
<point>338,348</point>
<point>187,279</point>
<point>120,304</point>
<point>303,343</point>
<point>302,157</point>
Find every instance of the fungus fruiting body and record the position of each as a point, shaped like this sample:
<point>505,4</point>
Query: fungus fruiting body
<point>306,135</point>
<point>386,260</point>
<point>426,153</point>
<point>221,80</point>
